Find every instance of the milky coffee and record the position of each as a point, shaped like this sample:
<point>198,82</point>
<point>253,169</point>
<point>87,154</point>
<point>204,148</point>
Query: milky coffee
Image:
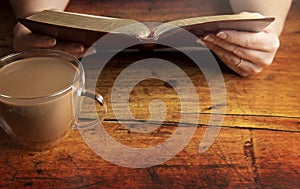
<point>36,100</point>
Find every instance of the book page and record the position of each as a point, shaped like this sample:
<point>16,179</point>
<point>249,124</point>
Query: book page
<point>91,22</point>
<point>188,22</point>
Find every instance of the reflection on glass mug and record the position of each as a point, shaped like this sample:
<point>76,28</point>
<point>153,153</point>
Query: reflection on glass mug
<point>40,97</point>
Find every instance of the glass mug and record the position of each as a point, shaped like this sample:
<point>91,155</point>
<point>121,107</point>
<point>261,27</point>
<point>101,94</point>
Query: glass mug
<point>41,96</point>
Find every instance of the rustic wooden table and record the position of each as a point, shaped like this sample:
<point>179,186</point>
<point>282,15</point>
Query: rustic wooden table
<point>258,145</point>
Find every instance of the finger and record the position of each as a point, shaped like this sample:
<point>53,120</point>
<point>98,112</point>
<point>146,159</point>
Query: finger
<point>260,58</point>
<point>85,53</point>
<point>75,49</point>
<point>90,51</point>
<point>263,41</point>
<point>37,41</point>
<point>226,57</point>
<point>245,68</point>
<point>72,48</point>
<point>24,39</point>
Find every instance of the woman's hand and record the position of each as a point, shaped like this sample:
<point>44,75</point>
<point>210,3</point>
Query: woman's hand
<point>24,39</point>
<point>246,53</point>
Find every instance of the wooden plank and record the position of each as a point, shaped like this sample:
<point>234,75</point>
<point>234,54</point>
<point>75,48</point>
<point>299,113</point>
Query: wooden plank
<point>277,158</point>
<point>258,146</point>
<point>250,102</point>
<point>72,164</point>
<point>238,158</point>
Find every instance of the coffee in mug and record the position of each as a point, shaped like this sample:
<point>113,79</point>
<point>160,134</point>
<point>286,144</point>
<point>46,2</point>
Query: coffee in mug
<point>40,96</point>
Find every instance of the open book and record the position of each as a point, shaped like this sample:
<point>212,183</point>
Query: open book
<point>87,29</point>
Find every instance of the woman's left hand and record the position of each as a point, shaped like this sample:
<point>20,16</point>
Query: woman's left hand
<point>246,53</point>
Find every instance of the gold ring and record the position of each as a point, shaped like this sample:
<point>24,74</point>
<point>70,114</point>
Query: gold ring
<point>239,63</point>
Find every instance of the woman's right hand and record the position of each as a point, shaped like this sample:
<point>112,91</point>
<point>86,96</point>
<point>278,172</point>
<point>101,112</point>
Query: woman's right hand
<point>24,39</point>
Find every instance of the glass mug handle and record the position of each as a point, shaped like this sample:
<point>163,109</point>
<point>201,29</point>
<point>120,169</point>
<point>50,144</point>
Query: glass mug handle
<point>99,99</point>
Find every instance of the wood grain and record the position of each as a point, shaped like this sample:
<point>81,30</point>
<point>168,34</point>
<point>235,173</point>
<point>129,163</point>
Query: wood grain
<point>258,146</point>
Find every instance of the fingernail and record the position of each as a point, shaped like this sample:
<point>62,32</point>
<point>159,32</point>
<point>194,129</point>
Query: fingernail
<point>50,41</point>
<point>208,38</point>
<point>222,35</point>
<point>78,48</point>
<point>200,41</point>
<point>90,51</point>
